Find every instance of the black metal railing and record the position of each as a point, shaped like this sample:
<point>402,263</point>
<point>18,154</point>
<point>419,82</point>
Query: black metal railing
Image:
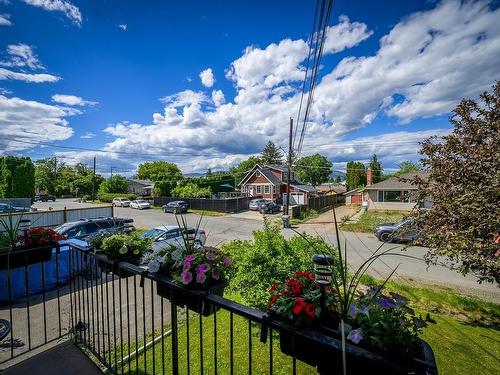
<point>114,313</point>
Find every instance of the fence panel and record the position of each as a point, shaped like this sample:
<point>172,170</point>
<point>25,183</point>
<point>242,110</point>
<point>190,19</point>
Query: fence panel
<point>17,202</point>
<point>220,205</point>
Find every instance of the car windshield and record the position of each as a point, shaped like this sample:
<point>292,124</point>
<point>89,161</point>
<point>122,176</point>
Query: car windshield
<point>152,233</point>
<point>141,201</point>
<point>61,229</point>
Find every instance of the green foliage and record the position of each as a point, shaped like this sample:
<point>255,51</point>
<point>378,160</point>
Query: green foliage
<point>244,167</point>
<point>115,184</point>
<point>164,188</point>
<point>268,259</point>
<point>463,223</point>
<point>355,176</point>
<point>408,166</point>
<point>314,169</point>
<point>17,177</point>
<point>124,247</point>
<point>271,155</point>
<point>108,197</point>
<point>370,219</point>
<point>159,170</point>
<point>191,190</point>
<point>376,168</point>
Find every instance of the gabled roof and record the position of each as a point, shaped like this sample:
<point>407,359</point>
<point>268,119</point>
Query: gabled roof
<point>141,182</point>
<point>336,188</point>
<point>303,187</point>
<point>270,176</point>
<point>249,174</point>
<point>266,172</point>
<point>398,183</point>
<point>353,191</point>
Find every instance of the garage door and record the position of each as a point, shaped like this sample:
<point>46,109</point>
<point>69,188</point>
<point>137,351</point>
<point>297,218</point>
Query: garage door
<point>295,199</point>
<point>355,199</point>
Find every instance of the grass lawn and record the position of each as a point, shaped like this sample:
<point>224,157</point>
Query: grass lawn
<point>370,219</point>
<point>464,338</point>
<point>305,216</point>
<point>206,213</point>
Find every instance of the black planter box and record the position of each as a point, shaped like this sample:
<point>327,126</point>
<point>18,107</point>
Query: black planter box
<point>185,297</point>
<point>25,257</point>
<point>328,359</point>
<point>112,266</point>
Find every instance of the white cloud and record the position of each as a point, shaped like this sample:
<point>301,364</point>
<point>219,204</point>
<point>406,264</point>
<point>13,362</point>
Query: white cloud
<point>88,135</point>
<point>345,35</point>
<point>26,123</point>
<point>122,26</point>
<point>218,98</point>
<point>5,20</point>
<point>423,67</point>
<point>207,78</point>
<point>71,100</point>
<point>69,10</point>
<point>22,55</point>
<point>26,77</point>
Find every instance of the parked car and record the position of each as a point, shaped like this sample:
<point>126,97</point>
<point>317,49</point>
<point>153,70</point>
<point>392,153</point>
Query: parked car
<point>255,204</point>
<point>44,198</point>
<point>7,207</point>
<point>85,228</point>
<point>269,208</point>
<point>139,204</point>
<point>405,230</point>
<point>176,207</point>
<point>166,235</point>
<point>122,202</point>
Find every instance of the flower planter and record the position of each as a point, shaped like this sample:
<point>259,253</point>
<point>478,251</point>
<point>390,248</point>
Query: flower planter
<point>25,257</point>
<point>112,266</point>
<point>185,297</point>
<point>328,359</point>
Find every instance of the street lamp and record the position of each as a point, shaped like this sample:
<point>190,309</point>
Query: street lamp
<point>322,275</point>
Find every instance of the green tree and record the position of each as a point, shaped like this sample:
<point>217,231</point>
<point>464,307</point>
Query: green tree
<point>356,175</point>
<point>408,166</point>
<point>376,168</point>
<point>17,177</point>
<point>463,183</point>
<point>271,155</point>
<point>314,169</point>
<point>244,167</point>
<point>164,188</point>
<point>159,170</point>
<point>45,174</point>
<point>191,190</point>
<point>115,184</point>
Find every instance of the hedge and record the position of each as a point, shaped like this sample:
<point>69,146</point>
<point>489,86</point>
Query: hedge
<point>108,197</point>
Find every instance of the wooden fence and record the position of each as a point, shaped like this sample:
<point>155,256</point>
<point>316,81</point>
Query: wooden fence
<point>55,218</point>
<point>319,203</point>
<point>219,205</point>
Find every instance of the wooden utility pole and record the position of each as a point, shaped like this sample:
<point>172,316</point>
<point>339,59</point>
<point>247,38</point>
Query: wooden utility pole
<point>93,182</point>
<point>289,169</point>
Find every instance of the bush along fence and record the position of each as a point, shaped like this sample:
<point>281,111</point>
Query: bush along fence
<point>219,205</point>
<point>120,313</point>
<point>319,203</point>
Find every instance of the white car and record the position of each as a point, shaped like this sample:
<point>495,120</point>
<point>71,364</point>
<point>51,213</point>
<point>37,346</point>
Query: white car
<point>122,202</point>
<point>166,235</point>
<point>139,204</point>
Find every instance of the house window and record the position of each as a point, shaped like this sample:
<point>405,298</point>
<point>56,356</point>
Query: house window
<point>257,174</point>
<point>266,189</point>
<point>274,188</point>
<point>400,196</point>
<point>259,189</point>
<point>244,189</point>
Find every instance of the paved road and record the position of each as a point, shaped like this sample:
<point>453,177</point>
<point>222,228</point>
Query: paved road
<point>359,245</point>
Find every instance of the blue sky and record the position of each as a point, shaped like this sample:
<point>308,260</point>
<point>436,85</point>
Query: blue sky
<point>124,77</point>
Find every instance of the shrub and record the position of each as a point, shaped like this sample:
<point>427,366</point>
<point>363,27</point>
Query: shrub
<point>191,190</point>
<point>124,247</point>
<point>268,259</point>
<point>108,197</point>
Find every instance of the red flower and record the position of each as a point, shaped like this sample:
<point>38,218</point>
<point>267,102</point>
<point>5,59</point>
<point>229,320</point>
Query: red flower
<point>272,301</point>
<point>298,306</point>
<point>294,286</point>
<point>310,310</point>
<point>309,275</point>
<point>273,287</point>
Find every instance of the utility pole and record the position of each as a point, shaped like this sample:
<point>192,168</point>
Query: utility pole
<point>111,173</point>
<point>289,168</point>
<point>93,182</point>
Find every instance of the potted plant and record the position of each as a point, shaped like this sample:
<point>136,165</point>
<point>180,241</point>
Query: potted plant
<point>34,246</point>
<point>120,248</point>
<point>163,260</point>
<point>365,328</point>
<point>204,271</point>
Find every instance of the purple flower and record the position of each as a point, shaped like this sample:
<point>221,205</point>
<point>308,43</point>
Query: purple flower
<point>201,278</point>
<point>186,277</point>
<point>202,268</point>
<point>353,310</point>
<point>210,256</point>
<point>189,258</point>
<point>386,303</point>
<point>187,266</point>
<point>356,335</point>
<point>227,261</point>
<point>215,274</point>
<point>365,310</point>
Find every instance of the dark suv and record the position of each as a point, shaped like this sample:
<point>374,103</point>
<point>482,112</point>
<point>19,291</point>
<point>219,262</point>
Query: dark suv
<point>84,228</point>
<point>404,231</point>
<point>176,207</point>
<point>44,198</point>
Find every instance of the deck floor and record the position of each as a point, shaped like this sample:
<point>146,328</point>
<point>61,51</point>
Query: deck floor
<point>63,359</point>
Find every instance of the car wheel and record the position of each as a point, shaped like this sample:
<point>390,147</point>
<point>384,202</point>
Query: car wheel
<point>197,243</point>
<point>385,237</point>
<point>175,212</point>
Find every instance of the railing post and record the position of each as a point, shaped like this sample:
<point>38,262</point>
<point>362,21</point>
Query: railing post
<point>65,215</point>
<point>175,338</point>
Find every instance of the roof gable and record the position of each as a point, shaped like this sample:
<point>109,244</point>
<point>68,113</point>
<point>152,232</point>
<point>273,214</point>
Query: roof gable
<point>398,183</point>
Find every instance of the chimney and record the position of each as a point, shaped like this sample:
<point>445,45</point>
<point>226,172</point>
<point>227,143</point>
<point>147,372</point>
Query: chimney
<point>368,176</point>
